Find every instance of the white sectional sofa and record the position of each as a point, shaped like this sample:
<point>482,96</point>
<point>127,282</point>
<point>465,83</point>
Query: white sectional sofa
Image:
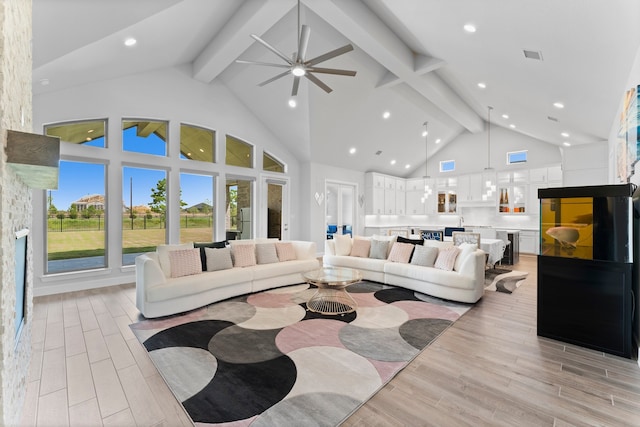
<point>159,294</point>
<point>465,283</point>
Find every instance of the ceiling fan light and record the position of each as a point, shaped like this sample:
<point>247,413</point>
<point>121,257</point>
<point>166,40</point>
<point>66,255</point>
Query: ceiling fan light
<point>298,71</point>
<point>292,103</point>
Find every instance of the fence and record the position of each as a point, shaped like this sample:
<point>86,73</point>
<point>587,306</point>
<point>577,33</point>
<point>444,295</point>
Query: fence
<point>139,223</point>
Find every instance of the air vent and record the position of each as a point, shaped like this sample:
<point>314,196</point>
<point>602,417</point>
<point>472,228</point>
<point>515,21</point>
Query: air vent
<point>553,119</point>
<point>532,54</point>
<point>378,152</point>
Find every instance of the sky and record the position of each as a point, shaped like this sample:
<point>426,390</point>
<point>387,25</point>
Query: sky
<point>81,179</point>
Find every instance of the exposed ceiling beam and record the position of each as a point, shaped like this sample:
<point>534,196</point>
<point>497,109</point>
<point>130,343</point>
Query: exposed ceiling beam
<point>253,17</point>
<point>360,25</point>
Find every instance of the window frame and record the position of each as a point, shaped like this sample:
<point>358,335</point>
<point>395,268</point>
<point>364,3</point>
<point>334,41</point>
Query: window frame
<point>443,164</point>
<point>515,153</point>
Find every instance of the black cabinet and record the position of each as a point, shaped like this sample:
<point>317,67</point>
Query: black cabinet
<point>512,251</point>
<point>586,302</point>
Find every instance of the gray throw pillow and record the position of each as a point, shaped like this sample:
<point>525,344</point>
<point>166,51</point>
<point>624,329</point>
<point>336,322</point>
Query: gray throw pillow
<point>424,255</point>
<point>378,249</point>
<point>266,253</point>
<point>218,259</point>
<point>202,245</point>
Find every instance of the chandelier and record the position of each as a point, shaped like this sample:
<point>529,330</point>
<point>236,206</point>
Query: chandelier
<point>490,187</point>
<point>427,190</point>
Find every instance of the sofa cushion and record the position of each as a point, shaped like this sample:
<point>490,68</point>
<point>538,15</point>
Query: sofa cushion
<point>424,256</point>
<point>370,264</point>
<point>466,249</point>
<point>401,239</point>
<point>218,259</point>
<point>360,248</point>
<point>266,253</point>
<point>243,255</point>
<point>378,249</point>
<point>196,284</point>
<point>401,252</point>
<point>429,275</point>
<point>266,271</point>
<point>203,255</point>
<point>163,255</point>
<point>285,251</point>
<point>185,262</point>
<point>447,258</point>
<point>343,244</point>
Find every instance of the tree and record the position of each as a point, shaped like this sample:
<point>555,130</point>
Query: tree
<point>60,215</point>
<point>89,212</point>
<point>159,198</point>
<point>73,211</point>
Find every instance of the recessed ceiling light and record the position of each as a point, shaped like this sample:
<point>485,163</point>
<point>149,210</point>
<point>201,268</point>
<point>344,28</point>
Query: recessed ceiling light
<point>512,126</point>
<point>90,131</point>
<point>438,141</point>
<point>44,82</point>
<point>566,144</point>
<point>393,162</point>
<point>425,133</point>
<point>201,150</point>
<point>407,166</point>
<point>386,115</point>
<point>87,139</point>
<point>189,154</point>
<point>505,116</point>
<point>469,28</point>
<point>558,105</point>
<point>130,41</point>
<point>292,103</point>
<point>482,85</point>
<point>352,151</point>
<point>565,134</point>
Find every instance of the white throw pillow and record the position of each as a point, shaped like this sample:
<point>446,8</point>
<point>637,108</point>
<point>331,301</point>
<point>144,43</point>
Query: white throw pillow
<point>343,244</point>
<point>163,255</point>
<point>218,259</point>
<point>424,256</point>
<point>266,253</point>
<point>466,249</point>
<point>390,239</point>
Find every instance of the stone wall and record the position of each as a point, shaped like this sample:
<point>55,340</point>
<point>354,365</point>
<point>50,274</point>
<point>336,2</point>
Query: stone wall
<point>15,203</point>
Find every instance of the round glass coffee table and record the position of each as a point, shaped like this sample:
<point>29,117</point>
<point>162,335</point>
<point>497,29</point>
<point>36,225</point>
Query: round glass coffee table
<point>331,296</point>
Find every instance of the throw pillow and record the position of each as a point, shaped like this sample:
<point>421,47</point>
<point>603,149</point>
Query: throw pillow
<point>401,252</point>
<point>447,258</point>
<point>424,256</point>
<point>361,248</point>
<point>343,244</point>
<point>243,255</point>
<point>218,259</point>
<point>466,249</point>
<point>378,249</point>
<point>163,255</point>
<point>266,253</point>
<point>285,251</point>
<point>390,239</point>
<point>202,245</point>
<point>185,262</point>
<point>412,241</point>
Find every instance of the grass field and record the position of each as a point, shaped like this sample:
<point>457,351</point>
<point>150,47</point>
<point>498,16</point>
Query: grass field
<point>78,244</point>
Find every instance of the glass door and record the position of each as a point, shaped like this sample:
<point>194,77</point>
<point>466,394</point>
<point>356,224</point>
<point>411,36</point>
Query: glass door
<point>340,208</point>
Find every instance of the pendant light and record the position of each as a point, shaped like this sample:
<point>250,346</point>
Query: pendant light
<point>490,187</point>
<point>427,190</point>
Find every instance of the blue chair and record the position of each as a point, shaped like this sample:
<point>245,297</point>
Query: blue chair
<point>346,229</point>
<point>331,230</point>
<point>448,231</point>
<point>432,235</point>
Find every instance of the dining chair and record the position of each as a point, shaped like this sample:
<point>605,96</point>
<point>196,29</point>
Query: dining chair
<point>432,235</point>
<point>460,237</point>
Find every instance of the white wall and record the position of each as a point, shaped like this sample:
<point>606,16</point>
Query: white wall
<point>169,94</point>
<point>585,164</point>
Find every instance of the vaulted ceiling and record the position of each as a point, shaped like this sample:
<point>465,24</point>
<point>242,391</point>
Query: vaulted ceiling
<point>413,59</point>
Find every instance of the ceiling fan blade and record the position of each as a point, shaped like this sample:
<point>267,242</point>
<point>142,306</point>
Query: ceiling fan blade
<point>305,32</point>
<point>318,83</point>
<point>267,64</point>
<point>272,49</point>
<point>329,55</point>
<point>274,78</point>
<point>296,83</point>
<point>332,71</point>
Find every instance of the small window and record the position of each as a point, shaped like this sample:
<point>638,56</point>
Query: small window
<point>147,137</point>
<point>447,165</point>
<point>516,157</point>
<point>269,163</point>
<point>197,143</point>
<point>239,153</point>
<point>89,133</point>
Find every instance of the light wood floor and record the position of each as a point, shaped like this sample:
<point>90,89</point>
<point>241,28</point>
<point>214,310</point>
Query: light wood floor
<point>489,368</point>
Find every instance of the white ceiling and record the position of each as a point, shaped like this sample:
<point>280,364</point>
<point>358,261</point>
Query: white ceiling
<point>412,58</point>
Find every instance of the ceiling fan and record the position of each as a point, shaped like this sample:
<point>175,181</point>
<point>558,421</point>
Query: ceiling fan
<point>298,65</point>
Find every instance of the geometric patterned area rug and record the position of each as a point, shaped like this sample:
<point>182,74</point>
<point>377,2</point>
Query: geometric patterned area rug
<point>503,280</point>
<point>263,359</point>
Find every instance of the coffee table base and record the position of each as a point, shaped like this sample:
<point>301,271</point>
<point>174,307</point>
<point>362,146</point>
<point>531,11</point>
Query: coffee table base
<point>331,301</point>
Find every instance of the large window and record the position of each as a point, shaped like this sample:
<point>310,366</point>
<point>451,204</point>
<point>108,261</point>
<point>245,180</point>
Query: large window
<point>76,218</point>
<point>148,137</point>
<point>143,211</point>
<point>196,215</point>
<point>271,164</point>
<point>239,153</point>
<point>197,143</point>
<point>88,133</point>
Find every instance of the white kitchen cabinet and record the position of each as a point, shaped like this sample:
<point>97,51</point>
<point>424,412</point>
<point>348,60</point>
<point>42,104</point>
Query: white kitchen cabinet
<point>415,184</point>
<point>529,242</point>
<point>401,184</point>
<point>400,203</point>
<point>374,201</point>
<point>472,189</point>
<point>389,202</point>
<point>390,183</point>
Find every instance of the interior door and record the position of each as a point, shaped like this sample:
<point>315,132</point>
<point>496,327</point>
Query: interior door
<point>275,208</point>
<point>340,208</point>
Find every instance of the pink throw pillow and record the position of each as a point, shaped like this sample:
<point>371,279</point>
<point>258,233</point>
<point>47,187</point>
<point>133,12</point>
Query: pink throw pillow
<point>401,252</point>
<point>185,262</point>
<point>447,258</point>
<point>243,255</point>
<point>286,251</point>
<point>360,248</point>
